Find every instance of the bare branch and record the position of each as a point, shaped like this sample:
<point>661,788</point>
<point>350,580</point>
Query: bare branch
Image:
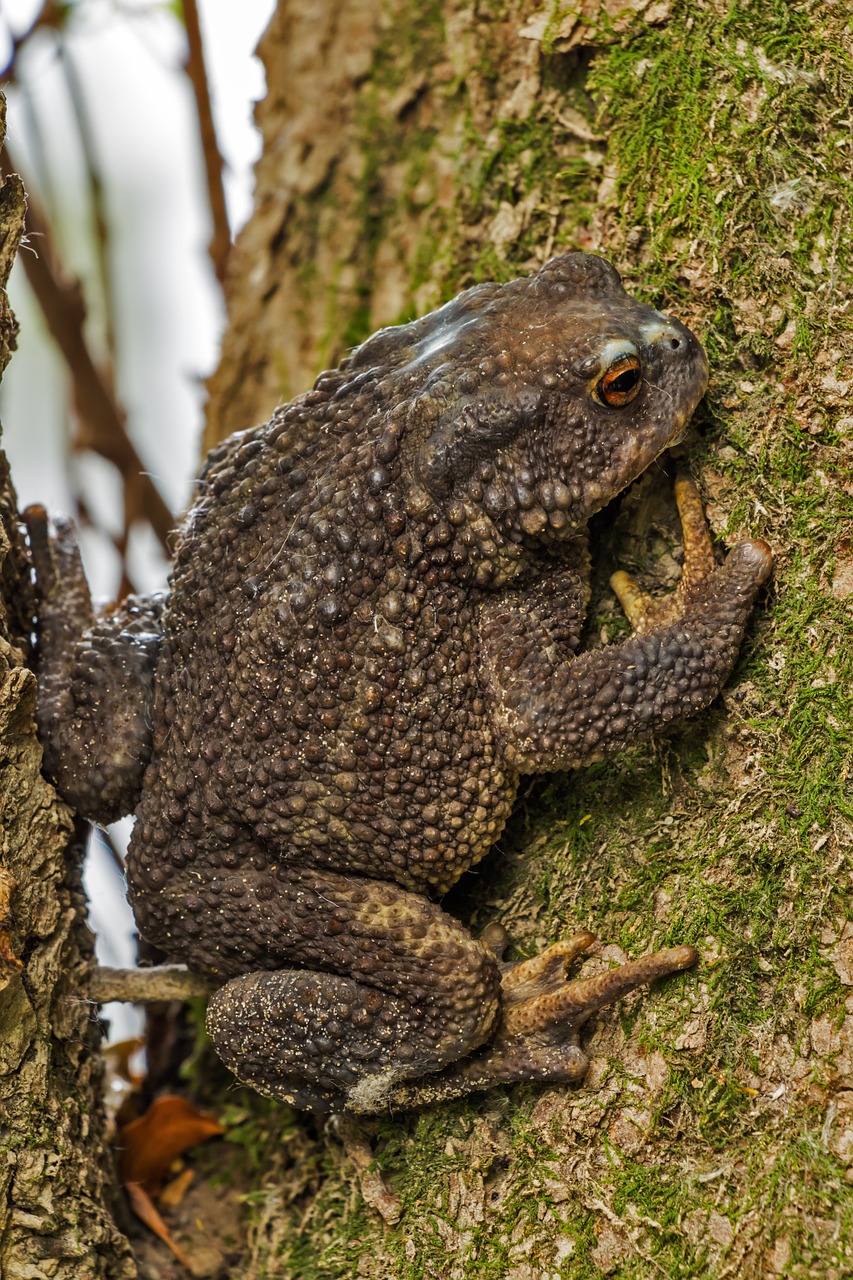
<point>102,421</point>
<point>162,982</point>
<point>220,241</point>
<point>96,187</point>
<point>50,15</point>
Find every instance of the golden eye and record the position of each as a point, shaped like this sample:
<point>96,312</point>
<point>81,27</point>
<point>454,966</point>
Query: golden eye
<point>620,382</point>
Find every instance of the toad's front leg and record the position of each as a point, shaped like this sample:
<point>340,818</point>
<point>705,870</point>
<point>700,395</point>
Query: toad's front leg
<point>553,711</point>
<point>96,678</point>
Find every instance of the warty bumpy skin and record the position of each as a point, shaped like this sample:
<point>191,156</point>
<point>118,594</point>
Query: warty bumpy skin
<point>370,634</point>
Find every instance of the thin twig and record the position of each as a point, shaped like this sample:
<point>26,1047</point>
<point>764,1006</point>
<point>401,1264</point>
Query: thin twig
<point>146,986</point>
<point>102,420</point>
<point>96,187</point>
<point>50,15</point>
<point>102,834</point>
<point>101,237</point>
<point>220,241</point>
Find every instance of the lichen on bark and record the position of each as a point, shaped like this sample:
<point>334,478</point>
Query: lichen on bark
<point>55,1173</point>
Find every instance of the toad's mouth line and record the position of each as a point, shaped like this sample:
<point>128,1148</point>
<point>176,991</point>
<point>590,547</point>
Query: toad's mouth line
<point>660,469</point>
<point>678,438</point>
<point>658,461</point>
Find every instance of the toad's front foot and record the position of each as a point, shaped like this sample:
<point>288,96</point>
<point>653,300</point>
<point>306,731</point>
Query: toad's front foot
<point>542,1015</point>
<point>750,565</point>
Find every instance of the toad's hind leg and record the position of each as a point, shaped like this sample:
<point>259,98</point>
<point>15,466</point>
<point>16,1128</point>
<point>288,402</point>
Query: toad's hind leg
<point>345,986</point>
<point>357,995</point>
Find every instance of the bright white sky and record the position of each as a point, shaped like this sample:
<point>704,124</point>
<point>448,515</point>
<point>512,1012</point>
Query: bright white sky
<point>128,56</point>
<point>168,312</point>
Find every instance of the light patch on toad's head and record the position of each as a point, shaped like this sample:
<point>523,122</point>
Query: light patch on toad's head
<point>542,398</point>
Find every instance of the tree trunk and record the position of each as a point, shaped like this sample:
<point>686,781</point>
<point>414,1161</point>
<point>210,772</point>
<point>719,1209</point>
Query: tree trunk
<point>410,151</point>
<point>56,1178</point>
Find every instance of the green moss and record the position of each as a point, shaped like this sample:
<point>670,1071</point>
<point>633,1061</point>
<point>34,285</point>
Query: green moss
<point>734,76</point>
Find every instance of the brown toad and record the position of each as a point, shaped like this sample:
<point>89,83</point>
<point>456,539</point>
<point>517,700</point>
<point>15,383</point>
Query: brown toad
<point>370,634</point>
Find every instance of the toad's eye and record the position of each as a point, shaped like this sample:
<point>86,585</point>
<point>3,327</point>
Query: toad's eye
<point>620,382</point>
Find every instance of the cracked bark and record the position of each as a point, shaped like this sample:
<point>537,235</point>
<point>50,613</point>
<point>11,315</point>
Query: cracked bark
<point>56,1179</point>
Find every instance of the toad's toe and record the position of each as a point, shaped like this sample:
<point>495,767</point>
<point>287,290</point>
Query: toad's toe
<point>541,1000</point>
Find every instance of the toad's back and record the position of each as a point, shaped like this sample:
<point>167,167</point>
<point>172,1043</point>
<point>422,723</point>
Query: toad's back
<point>317,689</point>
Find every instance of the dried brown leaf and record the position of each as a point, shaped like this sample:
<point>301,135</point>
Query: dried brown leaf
<point>150,1144</point>
<point>173,1193</point>
<point>118,1056</point>
<point>145,1209</point>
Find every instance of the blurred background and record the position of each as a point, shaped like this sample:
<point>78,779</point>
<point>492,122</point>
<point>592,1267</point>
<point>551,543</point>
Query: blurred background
<point>130,122</point>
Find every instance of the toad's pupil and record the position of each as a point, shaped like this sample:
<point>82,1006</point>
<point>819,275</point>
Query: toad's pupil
<point>624,382</point>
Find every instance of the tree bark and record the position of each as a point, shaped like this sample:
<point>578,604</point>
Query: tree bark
<point>410,151</point>
<point>56,1180</point>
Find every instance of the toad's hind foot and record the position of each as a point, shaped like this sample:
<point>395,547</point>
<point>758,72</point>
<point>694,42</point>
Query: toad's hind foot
<point>537,998</point>
<point>541,1019</point>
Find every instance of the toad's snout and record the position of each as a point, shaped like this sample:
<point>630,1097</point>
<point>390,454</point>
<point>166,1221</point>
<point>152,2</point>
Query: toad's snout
<point>682,366</point>
<point>668,334</point>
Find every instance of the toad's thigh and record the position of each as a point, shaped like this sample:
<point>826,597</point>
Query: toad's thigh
<point>247,919</point>
<point>339,984</point>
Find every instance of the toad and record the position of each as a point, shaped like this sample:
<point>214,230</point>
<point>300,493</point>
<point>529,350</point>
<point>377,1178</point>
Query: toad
<point>371,633</point>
